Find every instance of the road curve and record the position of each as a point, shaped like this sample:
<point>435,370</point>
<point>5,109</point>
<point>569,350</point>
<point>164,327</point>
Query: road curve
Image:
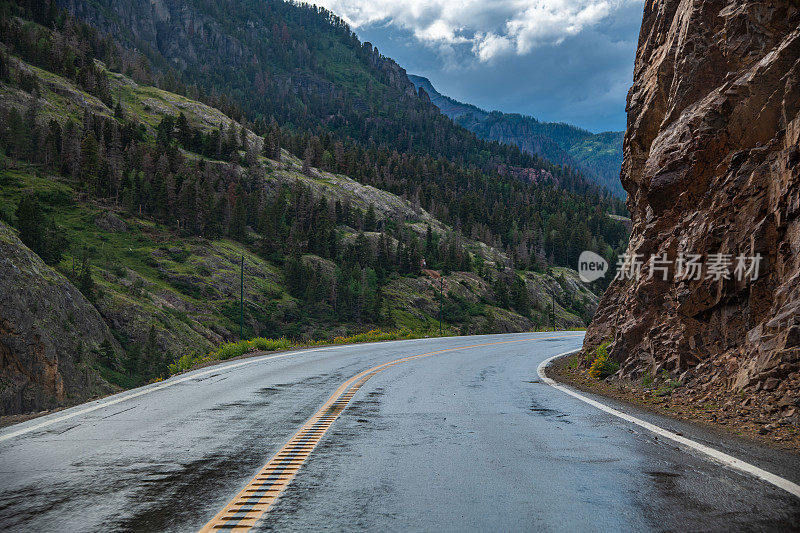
<point>463,439</point>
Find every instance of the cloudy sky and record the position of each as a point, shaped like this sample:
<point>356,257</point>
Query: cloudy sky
<point>558,60</point>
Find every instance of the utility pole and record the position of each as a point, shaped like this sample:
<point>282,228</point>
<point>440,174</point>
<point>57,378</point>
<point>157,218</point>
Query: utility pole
<point>241,303</point>
<point>441,303</point>
<point>553,319</point>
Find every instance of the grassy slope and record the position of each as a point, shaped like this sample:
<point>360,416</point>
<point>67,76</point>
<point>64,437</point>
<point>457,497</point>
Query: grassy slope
<point>185,289</point>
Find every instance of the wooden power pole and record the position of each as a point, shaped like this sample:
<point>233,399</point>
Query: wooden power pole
<point>241,302</point>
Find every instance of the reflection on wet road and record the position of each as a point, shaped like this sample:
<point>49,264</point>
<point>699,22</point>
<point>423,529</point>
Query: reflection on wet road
<point>469,439</point>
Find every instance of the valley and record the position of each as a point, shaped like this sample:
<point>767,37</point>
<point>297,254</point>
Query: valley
<point>154,205</point>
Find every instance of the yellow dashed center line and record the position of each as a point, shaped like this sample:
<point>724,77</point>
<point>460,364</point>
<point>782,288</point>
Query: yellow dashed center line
<point>249,506</point>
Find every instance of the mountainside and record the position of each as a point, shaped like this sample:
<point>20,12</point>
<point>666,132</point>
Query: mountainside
<point>49,334</point>
<point>301,67</point>
<point>712,166</point>
<point>598,156</point>
<point>295,63</point>
<point>147,202</point>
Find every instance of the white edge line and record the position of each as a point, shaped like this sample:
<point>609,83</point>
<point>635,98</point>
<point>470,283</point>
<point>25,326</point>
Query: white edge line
<point>712,453</point>
<point>147,389</point>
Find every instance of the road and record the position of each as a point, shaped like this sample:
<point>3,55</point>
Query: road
<point>468,438</point>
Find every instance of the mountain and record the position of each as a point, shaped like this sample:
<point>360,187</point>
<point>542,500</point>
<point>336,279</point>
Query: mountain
<point>127,212</point>
<point>295,63</point>
<point>450,107</point>
<point>303,68</point>
<point>712,168</point>
<point>598,156</point>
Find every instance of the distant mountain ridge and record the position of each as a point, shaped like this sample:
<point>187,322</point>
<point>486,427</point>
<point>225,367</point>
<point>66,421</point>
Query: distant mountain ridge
<point>597,155</point>
<point>450,107</point>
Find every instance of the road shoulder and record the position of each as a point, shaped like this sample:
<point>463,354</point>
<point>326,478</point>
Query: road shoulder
<point>670,404</point>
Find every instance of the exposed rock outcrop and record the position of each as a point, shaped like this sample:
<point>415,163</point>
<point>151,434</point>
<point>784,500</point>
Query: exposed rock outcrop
<point>712,165</point>
<point>48,331</point>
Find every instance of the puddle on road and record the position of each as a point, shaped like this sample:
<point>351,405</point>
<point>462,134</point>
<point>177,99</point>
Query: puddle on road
<point>548,413</point>
<point>662,475</point>
<point>174,496</point>
<point>480,379</point>
<point>229,406</point>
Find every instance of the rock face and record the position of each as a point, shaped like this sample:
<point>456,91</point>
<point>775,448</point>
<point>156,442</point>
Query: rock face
<point>712,165</point>
<point>48,332</point>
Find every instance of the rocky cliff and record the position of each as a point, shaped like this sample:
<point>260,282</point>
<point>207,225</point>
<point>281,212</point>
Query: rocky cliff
<point>49,334</point>
<point>712,166</point>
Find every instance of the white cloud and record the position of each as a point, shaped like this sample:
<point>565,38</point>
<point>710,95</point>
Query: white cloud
<point>486,46</point>
<point>486,29</point>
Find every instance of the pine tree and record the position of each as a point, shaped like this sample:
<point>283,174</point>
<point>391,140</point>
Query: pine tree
<point>369,220</point>
<point>54,141</point>
<point>307,158</point>
<point>501,293</point>
<point>238,227</point>
<point>106,355</point>
<point>430,246</point>
<point>30,223</point>
<point>243,141</point>
<point>414,257</point>
<point>85,280</point>
<point>153,356</point>
<point>4,66</point>
<point>231,140</point>
<point>293,273</point>
<point>184,131</point>
<point>31,132</point>
<point>383,252</point>
<point>519,296</point>
<point>272,142</point>
<point>55,242</point>
<point>89,159</point>
<point>362,250</point>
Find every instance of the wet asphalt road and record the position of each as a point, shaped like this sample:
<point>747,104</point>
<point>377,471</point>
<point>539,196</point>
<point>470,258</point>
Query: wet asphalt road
<point>464,440</point>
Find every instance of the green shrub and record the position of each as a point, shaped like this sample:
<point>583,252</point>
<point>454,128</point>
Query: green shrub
<point>260,343</point>
<point>232,349</point>
<point>235,349</point>
<point>184,362</point>
<point>179,255</point>
<point>602,366</point>
<point>668,384</point>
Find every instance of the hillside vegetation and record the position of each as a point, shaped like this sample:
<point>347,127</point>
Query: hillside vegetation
<point>350,110</point>
<point>150,203</point>
<point>597,155</point>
